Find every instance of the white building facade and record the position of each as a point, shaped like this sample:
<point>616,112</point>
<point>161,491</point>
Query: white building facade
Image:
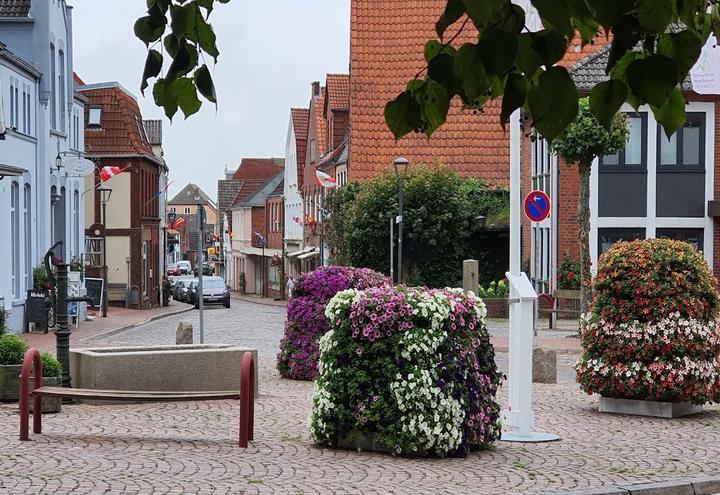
<point>44,119</point>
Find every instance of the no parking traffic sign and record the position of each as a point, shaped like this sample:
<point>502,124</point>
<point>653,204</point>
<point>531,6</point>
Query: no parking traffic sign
<point>537,206</point>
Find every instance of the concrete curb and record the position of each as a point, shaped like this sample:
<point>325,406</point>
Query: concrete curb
<point>120,329</point>
<point>261,301</point>
<point>697,485</point>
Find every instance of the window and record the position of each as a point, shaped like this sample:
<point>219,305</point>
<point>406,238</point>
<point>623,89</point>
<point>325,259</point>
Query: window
<point>25,110</point>
<point>27,219</point>
<point>95,116</point>
<point>173,210</point>
<point>634,155</point>
<point>28,107</point>
<point>608,237</point>
<point>187,210</point>
<point>15,241</point>
<point>76,224</point>
<point>61,87</point>
<point>313,151</point>
<point>686,148</point>
<point>694,237</point>
<point>93,251</point>
<point>13,103</point>
<point>53,94</point>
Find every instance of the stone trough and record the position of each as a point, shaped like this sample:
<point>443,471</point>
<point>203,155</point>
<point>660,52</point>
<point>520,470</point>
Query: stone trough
<point>183,368</point>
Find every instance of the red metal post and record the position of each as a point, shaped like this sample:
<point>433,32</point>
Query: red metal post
<point>32,357</point>
<point>247,398</point>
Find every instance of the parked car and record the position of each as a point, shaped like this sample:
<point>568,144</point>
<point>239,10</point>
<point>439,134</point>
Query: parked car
<point>173,269</point>
<point>192,287</point>
<point>207,269</point>
<point>184,267</point>
<point>182,288</point>
<point>214,292</point>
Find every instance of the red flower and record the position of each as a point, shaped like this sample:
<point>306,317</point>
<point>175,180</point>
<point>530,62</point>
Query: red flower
<point>570,276</point>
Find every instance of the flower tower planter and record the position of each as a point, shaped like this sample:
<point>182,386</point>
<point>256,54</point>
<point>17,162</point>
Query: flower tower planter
<point>406,371</point>
<point>651,341</point>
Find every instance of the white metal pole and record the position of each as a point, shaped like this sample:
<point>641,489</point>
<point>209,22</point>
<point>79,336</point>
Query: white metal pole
<point>515,186</point>
<point>392,250</point>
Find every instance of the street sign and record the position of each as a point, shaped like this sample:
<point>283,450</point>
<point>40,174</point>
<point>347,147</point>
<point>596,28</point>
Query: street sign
<point>537,206</point>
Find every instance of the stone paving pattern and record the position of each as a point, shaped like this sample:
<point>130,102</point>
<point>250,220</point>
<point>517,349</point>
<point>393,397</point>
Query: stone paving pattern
<point>191,447</point>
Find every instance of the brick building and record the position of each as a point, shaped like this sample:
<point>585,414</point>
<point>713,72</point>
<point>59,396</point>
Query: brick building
<point>115,137</point>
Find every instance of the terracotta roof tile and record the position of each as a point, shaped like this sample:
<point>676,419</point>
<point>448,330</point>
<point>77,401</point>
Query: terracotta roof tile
<point>337,88</point>
<point>121,130</point>
<point>258,168</point>
<point>77,80</point>
<point>384,55</point>
<point>300,118</point>
<point>14,8</point>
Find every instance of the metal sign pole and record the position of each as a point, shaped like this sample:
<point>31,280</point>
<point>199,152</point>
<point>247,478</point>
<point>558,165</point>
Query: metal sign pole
<point>200,270</point>
<point>392,250</point>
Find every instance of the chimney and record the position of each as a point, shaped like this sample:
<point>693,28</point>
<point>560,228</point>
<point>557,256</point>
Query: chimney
<point>315,89</point>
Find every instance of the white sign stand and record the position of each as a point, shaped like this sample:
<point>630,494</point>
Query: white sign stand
<point>519,414</point>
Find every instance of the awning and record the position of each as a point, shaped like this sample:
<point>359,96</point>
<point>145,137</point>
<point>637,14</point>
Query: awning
<point>305,250</point>
<point>314,252</point>
<point>10,171</point>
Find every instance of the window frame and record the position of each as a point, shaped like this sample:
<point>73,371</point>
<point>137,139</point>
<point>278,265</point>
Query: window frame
<point>621,166</point>
<point>53,90</point>
<point>683,230</point>
<point>603,230</point>
<point>679,147</point>
<point>90,122</point>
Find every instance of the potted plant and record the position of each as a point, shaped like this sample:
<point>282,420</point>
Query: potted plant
<point>495,297</point>
<point>12,352</point>
<point>40,278</point>
<point>242,283</point>
<point>52,375</point>
<point>75,270</point>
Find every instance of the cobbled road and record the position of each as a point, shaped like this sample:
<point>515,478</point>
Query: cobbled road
<point>191,447</point>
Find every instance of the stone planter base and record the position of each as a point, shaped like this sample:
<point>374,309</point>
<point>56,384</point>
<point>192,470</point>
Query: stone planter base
<point>10,382</point>
<point>648,408</point>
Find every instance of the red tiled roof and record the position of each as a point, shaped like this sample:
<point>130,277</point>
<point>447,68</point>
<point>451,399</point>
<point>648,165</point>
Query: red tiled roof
<point>300,119</point>
<point>258,168</point>
<point>337,89</point>
<point>247,189</point>
<point>384,55</point>
<point>77,80</point>
<point>121,123</point>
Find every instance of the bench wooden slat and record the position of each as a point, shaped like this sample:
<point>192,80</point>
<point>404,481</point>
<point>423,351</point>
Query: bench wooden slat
<point>86,393</point>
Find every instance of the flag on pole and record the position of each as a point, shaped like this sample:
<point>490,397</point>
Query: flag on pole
<point>108,172</point>
<point>260,239</point>
<point>325,180</point>
<point>297,220</point>
<point>178,223</point>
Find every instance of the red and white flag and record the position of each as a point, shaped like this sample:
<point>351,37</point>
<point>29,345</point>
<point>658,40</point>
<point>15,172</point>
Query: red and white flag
<point>108,172</point>
<point>325,180</point>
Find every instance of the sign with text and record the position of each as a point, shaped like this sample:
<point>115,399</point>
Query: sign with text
<point>36,310</point>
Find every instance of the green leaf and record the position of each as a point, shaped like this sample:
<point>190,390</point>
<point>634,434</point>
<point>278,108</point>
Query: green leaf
<point>204,83</point>
<point>671,115</point>
<point>434,102</point>
<point>402,115</point>
<point>206,38</point>
<point>454,10</point>
<point>433,47</point>
<point>440,69</point>
<point>527,59</point>
<point>553,102</point>
<point>207,5</point>
<point>182,19</point>
<point>483,12</point>
<point>555,13</point>
<point>185,60</point>
<point>469,69</point>
<point>626,34</point>
<point>148,29</point>
<point>153,66</point>
<point>652,78</point>
<point>185,94</point>
<point>654,15</point>
<point>165,98</point>
<point>513,19</point>
<point>497,50</point>
<point>172,45</point>
<point>606,99</point>
<point>609,12</point>
<point>516,87</point>
<point>550,44</point>
<point>684,48</point>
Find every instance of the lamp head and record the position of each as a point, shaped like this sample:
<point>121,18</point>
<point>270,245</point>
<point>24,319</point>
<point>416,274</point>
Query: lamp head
<point>401,165</point>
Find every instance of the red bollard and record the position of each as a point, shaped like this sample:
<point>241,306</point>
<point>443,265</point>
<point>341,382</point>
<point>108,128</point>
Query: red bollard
<point>247,398</point>
<point>32,357</point>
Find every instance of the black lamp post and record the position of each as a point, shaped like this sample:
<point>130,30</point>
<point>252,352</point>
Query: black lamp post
<point>105,193</point>
<point>401,165</point>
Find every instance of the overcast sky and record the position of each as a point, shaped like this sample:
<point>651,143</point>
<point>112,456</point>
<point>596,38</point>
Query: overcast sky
<point>270,52</point>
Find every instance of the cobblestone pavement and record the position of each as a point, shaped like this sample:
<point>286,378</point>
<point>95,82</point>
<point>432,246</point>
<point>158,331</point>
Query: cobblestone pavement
<point>191,447</point>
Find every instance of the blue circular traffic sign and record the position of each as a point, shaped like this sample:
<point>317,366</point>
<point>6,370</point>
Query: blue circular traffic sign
<point>537,206</point>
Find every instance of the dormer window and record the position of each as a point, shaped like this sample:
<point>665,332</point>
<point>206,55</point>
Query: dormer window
<point>94,116</point>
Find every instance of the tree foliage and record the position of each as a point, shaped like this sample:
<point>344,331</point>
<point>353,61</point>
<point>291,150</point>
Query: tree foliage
<point>655,44</point>
<point>189,38</point>
<point>440,225</point>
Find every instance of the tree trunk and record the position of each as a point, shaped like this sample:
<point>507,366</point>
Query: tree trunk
<point>583,216</point>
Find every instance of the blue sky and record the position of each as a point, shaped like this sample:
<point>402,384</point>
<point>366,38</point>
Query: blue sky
<point>270,52</point>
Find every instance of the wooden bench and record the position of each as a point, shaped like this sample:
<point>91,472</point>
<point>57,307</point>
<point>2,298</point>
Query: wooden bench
<point>32,361</point>
<point>572,297</point>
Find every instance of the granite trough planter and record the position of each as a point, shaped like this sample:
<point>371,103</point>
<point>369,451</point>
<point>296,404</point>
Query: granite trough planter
<point>10,382</point>
<point>49,404</point>
<point>654,409</point>
<point>181,368</point>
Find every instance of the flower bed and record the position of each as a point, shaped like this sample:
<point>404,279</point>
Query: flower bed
<point>653,331</point>
<point>411,369</point>
<point>306,322</point>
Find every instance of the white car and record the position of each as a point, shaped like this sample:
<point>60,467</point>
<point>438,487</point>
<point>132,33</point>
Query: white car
<point>184,266</point>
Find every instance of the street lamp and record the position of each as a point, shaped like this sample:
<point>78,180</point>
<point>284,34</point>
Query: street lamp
<point>105,193</point>
<point>401,165</point>
<point>58,164</point>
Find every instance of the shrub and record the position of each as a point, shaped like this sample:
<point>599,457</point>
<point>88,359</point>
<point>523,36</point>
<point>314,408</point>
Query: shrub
<point>653,331</point>
<point>494,289</point>
<point>51,367</point>
<point>3,321</point>
<point>12,349</point>
<point>306,322</point>
<point>568,276</point>
<point>412,369</point>
<point>40,278</point>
